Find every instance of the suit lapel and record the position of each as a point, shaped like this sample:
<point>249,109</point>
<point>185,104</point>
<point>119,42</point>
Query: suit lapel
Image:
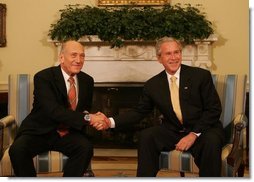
<point>184,88</point>
<point>81,89</point>
<point>165,92</point>
<point>59,81</point>
<point>185,83</point>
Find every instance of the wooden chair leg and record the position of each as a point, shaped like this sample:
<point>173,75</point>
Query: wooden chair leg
<point>240,171</point>
<point>182,174</point>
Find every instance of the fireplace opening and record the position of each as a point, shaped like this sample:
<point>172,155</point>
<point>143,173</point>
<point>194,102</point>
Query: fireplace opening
<point>113,99</point>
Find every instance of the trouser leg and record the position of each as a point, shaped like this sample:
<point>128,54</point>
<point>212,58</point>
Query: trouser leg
<point>207,153</point>
<point>148,163</point>
<point>151,142</point>
<point>79,151</point>
<point>22,152</point>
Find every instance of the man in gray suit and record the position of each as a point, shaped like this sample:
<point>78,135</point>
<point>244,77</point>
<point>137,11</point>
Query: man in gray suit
<point>194,126</point>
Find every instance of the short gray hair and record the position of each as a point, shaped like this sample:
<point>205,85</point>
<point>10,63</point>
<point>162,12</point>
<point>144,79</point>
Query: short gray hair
<point>63,44</point>
<point>163,40</point>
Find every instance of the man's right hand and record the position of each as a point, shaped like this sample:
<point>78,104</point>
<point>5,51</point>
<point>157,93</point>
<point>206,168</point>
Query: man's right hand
<point>99,121</point>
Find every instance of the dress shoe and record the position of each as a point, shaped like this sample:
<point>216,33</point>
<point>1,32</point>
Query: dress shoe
<point>89,173</point>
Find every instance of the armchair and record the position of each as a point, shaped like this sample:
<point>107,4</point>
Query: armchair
<point>20,98</point>
<point>232,93</point>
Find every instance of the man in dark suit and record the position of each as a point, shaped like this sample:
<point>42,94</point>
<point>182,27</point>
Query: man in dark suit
<point>54,123</point>
<point>194,125</point>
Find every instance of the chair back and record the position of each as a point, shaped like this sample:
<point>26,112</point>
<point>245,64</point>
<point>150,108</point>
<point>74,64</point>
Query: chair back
<point>20,97</point>
<point>20,100</point>
<point>232,93</point>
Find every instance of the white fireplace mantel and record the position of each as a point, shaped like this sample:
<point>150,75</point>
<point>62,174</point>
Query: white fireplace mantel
<point>136,61</point>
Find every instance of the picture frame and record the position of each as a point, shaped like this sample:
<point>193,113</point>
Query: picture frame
<point>132,2</point>
<point>2,25</point>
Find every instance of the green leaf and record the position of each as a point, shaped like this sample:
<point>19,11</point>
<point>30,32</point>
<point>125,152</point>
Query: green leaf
<point>114,25</point>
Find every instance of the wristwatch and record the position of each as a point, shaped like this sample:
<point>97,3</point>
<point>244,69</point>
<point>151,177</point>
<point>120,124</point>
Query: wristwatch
<point>87,116</point>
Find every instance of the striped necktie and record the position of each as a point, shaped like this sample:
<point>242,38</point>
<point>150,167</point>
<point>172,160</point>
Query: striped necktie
<point>63,129</point>
<point>72,94</point>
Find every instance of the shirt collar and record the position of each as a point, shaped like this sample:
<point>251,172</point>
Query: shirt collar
<point>177,74</point>
<point>66,76</point>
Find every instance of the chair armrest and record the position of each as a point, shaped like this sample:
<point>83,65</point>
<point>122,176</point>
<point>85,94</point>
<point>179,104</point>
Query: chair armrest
<point>236,155</point>
<point>5,122</point>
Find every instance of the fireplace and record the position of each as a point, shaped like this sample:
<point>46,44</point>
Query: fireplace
<point>113,99</point>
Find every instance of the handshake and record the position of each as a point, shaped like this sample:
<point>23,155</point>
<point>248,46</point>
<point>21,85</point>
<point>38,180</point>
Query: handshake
<point>99,121</point>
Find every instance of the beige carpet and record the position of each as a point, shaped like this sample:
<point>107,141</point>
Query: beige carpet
<point>106,173</point>
<point>132,173</point>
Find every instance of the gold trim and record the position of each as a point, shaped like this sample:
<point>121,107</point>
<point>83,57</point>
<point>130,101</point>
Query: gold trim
<point>129,2</point>
<point>2,25</point>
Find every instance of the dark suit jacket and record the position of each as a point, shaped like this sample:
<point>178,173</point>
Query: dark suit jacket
<point>50,107</point>
<point>200,103</point>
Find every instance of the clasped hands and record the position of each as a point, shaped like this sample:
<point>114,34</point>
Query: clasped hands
<point>99,121</point>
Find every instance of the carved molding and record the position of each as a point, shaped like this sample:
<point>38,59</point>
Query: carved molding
<point>129,2</point>
<point>136,61</point>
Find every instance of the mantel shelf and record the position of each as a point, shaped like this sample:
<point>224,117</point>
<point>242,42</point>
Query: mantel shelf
<point>94,40</point>
<point>136,61</point>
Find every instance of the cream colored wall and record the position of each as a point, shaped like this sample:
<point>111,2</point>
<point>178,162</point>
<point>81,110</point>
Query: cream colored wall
<point>231,20</point>
<point>28,22</point>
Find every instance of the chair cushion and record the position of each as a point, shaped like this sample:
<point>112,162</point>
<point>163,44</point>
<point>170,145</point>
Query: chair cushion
<point>46,162</point>
<point>184,162</point>
<point>178,161</point>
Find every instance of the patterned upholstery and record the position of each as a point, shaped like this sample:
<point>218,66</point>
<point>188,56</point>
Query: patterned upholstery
<point>20,98</point>
<point>232,92</point>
